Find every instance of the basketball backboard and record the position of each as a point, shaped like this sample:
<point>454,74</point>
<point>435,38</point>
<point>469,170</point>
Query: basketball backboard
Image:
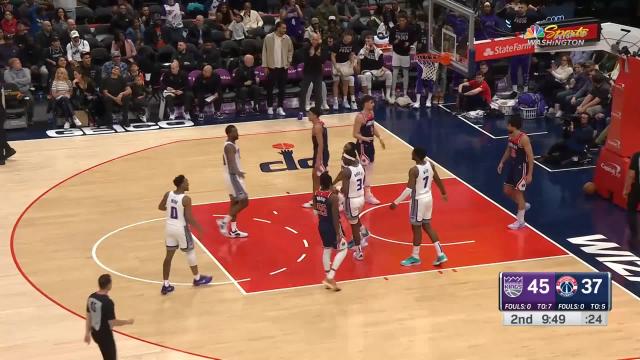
<point>452,25</point>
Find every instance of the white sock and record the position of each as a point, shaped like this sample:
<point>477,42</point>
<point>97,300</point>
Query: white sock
<point>226,219</point>
<point>326,259</point>
<point>233,226</point>
<point>416,252</point>
<point>337,261</point>
<point>353,97</point>
<point>515,87</point>
<point>166,283</point>
<point>344,98</point>
<point>418,98</point>
<point>429,97</point>
<point>526,88</point>
<point>335,99</point>
<point>196,276</point>
<point>521,216</point>
<point>438,247</point>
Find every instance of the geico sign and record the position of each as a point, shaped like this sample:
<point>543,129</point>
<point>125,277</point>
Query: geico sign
<point>174,124</point>
<point>502,48</point>
<point>611,168</point>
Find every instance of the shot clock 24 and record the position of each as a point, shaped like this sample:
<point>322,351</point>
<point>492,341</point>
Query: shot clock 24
<point>550,299</point>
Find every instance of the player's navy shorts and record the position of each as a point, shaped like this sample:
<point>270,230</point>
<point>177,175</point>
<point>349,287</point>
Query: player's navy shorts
<point>367,150</point>
<point>328,235</point>
<point>325,159</point>
<point>515,175</point>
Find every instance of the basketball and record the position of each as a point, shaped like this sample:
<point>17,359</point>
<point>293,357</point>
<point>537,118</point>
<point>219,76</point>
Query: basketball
<point>589,188</point>
<point>445,58</point>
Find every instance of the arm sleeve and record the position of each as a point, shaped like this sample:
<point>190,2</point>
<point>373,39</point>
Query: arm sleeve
<point>109,310</point>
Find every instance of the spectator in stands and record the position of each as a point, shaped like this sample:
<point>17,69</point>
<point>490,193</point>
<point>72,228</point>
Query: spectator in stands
<point>313,29</point>
<point>246,85</point>
<point>156,35</point>
<point>52,54</point>
<point>312,73</point>
<point>401,38</point>
<point>580,57</point>
<point>5,5</point>
<point>389,15</point>
<point>577,86</point>
<point>115,94</point>
<point>173,16</point>
<point>121,20</point>
<point>145,17</point>
<point>333,28</point>
<point>226,13</point>
<point>237,29</point>
<point>124,46</point>
<point>490,24</point>
<point>199,33</point>
<point>36,18</point>
<point>135,33</point>
<point>348,13</point>
<point>474,95</point>
<point>31,55</point>
<point>344,59</point>
<point>88,69</point>
<point>556,79</point>
<point>292,15</point>
<point>521,16</point>
<point>208,89</point>
<point>59,22</point>
<point>598,97</point>
<point>251,19</point>
<point>139,94</point>
<point>576,140</point>
<point>372,68</point>
<point>8,50</point>
<point>488,76</point>
<point>76,47</point>
<point>277,52</point>
<point>186,58</point>
<point>211,55</point>
<point>64,64</point>
<point>116,61</point>
<point>65,36</point>
<point>133,73</point>
<point>9,24</point>
<point>85,95</point>
<point>61,92</point>
<point>45,36</point>
<point>21,77</point>
<point>176,85</point>
<point>324,11</point>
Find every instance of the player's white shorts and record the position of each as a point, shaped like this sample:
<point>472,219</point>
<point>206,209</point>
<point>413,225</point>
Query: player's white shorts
<point>347,72</point>
<point>420,210</point>
<point>235,186</point>
<point>178,237</point>
<point>400,61</point>
<point>353,208</point>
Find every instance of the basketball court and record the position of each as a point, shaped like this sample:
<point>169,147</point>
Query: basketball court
<point>265,301</point>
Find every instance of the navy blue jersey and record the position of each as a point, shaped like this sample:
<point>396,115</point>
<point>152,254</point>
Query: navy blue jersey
<point>517,154</point>
<point>323,208</point>
<point>325,147</point>
<point>366,148</point>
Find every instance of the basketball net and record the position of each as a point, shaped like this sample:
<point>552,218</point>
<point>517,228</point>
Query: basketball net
<point>429,64</point>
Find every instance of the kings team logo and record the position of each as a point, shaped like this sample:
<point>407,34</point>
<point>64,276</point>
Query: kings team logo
<point>512,286</point>
<point>566,286</point>
<point>288,162</point>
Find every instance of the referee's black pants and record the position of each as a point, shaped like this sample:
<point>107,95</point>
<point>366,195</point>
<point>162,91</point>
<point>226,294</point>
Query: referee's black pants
<point>632,213</point>
<point>107,345</point>
<point>4,145</point>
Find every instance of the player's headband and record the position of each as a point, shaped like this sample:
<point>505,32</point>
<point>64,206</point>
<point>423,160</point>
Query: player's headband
<point>348,157</point>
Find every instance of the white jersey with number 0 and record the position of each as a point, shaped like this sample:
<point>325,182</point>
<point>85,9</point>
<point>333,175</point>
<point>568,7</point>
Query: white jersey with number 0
<point>175,210</point>
<point>356,182</point>
<point>225,162</point>
<point>423,182</point>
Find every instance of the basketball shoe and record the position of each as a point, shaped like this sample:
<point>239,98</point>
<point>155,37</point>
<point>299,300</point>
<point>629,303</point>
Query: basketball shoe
<point>204,280</point>
<point>517,225</point>
<point>440,260</point>
<point>237,234</point>
<point>410,261</point>
<point>222,226</point>
<point>167,289</point>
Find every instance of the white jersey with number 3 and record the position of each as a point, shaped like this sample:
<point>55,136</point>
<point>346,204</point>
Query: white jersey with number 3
<point>423,182</point>
<point>175,210</point>
<point>356,182</point>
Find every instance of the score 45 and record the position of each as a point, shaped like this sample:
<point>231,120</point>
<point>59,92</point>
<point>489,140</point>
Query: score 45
<point>565,285</point>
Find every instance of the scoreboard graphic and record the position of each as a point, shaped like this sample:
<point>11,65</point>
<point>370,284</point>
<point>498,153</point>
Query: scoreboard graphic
<point>548,299</point>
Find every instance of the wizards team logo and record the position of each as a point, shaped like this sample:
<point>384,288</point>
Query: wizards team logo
<point>566,286</point>
<point>288,162</point>
<point>512,286</point>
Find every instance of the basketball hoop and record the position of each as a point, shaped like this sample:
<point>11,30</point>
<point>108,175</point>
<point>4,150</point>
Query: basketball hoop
<point>429,63</point>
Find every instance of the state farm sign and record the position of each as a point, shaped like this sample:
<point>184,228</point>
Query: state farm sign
<point>503,47</point>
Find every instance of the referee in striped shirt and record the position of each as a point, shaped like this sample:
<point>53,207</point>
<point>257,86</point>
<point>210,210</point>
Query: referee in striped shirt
<point>101,318</point>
